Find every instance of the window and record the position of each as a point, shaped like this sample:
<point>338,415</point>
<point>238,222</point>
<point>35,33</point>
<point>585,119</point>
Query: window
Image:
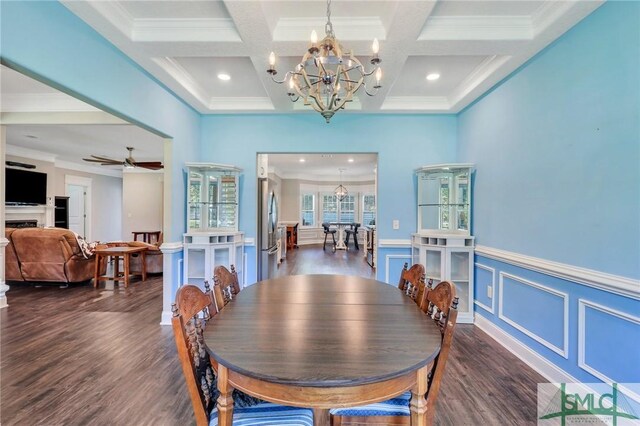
<point>329,208</point>
<point>369,210</point>
<point>347,209</point>
<point>308,210</point>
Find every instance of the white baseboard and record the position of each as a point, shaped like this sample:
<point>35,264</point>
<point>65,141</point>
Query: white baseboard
<point>165,319</point>
<point>547,369</point>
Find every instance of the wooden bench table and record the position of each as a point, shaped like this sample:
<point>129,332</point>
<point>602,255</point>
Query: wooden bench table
<point>116,253</point>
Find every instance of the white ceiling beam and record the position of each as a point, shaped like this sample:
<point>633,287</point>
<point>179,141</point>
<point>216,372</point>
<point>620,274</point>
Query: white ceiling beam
<point>95,117</point>
<point>477,28</point>
<point>182,29</point>
<point>353,28</point>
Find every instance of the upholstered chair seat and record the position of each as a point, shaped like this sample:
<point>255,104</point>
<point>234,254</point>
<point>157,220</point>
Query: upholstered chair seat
<point>396,407</point>
<point>267,414</point>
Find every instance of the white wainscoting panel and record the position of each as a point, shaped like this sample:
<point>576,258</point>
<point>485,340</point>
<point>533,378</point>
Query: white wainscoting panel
<point>564,351</point>
<point>493,286</point>
<point>393,256</point>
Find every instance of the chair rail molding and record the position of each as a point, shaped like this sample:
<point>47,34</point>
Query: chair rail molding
<point>397,243</point>
<point>616,284</point>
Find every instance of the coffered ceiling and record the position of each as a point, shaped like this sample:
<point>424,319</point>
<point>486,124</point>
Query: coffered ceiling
<point>472,45</point>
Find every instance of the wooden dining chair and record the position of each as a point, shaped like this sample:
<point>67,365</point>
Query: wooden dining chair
<point>412,282</point>
<point>441,305</point>
<point>192,310</point>
<point>225,285</point>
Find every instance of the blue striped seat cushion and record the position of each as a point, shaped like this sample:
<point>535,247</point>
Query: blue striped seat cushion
<point>398,406</point>
<point>268,414</point>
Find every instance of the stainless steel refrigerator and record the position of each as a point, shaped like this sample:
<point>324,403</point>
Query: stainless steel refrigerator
<point>267,230</point>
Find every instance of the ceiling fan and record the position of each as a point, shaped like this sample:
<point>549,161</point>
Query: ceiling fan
<point>127,162</point>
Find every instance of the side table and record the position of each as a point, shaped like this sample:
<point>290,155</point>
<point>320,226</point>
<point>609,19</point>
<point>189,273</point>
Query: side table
<point>117,252</point>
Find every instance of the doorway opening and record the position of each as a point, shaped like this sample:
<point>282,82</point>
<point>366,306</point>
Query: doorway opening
<point>78,189</point>
<point>327,210</point>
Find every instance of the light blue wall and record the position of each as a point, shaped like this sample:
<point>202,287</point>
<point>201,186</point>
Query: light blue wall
<point>557,149</point>
<point>557,154</point>
<point>404,142</point>
<point>48,42</point>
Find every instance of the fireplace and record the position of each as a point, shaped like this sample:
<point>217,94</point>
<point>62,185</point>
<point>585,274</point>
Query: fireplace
<point>28,223</point>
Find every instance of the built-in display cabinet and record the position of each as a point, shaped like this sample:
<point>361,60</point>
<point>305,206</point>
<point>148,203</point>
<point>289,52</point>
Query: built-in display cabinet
<point>212,236</point>
<point>443,243</point>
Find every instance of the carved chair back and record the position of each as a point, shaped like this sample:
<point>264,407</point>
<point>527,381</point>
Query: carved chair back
<point>412,283</point>
<point>226,285</point>
<point>191,311</point>
<point>441,304</point>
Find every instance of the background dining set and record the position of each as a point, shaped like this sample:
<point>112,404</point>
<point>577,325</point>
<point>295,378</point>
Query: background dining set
<point>314,349</point>
<point>345,231</point>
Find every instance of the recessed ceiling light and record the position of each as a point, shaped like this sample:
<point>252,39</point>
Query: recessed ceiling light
<point>433,76</point>
<point>350,160</point>
<point>302,160</point>
<point>224,77</point>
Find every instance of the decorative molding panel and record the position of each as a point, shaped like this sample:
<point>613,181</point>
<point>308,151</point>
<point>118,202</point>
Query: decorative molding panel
<point>399,243</point>
<point>612,283</point>
<point>582,305</point>
<point>477,28</point>
<point>393,256</point>
<point>527,355</point>
<point>185,29</point>
<point>493,286</point>
<point>115,13</point>
<point>564,351</point>
<point>349,28</point>
<point>488,67</point>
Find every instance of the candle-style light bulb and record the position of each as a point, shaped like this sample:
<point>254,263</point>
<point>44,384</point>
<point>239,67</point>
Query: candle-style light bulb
<point>291,84</point>
<point>375,46</point>
<point>314,37</point>
<point>378,75</point>
<point>272,59</point>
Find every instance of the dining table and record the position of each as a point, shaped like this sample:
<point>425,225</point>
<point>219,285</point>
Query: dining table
<point>341,245</point>
<point>322,341</point>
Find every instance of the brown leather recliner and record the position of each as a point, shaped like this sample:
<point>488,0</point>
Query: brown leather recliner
<point>46,254</point>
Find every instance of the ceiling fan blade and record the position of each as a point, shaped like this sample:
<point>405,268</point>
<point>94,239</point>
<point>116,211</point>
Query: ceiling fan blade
<point>101,158</point>
<point>102,161</point>
<point>113,164</point>
<point>151,165</point>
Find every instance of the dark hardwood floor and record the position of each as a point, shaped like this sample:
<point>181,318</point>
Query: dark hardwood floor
<point>77,356</point>
<point>311,259</point>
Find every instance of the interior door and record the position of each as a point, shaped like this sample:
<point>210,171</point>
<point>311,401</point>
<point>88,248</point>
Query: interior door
<point>77,208</point>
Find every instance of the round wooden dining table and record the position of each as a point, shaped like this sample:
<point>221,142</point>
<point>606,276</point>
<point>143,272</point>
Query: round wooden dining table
<point>322,341</point>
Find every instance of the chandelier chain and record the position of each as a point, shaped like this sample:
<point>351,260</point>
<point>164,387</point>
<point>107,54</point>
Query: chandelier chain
<point>328,28</point>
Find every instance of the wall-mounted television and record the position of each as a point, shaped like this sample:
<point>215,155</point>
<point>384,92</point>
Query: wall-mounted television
<point>25,187</point>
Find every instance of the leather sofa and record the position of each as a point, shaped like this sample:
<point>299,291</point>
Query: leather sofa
<point>153,255</point>
<point>46,254</point>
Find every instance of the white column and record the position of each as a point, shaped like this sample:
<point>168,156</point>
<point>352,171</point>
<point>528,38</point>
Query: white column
<point>3,241</point>
<point>171,277</point>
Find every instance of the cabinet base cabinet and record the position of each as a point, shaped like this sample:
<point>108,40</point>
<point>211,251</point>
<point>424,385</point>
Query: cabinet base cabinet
<point>448,258</point>
<point>204,251</point>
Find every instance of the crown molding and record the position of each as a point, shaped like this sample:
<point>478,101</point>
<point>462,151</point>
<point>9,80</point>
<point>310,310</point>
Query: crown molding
<point>43,102</point>
<point>478,28</point>
<point>183,78</point>
<point>185,29</point>
<point>488,67</point>
<point>225,104</point>
<point>115,13</point>
<point>416,103</point>
<point>355,28</point>
<point>31,154</point>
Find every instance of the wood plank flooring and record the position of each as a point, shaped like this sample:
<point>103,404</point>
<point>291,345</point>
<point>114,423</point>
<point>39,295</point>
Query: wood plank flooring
<point>311,259</point>
<point>80,356</point>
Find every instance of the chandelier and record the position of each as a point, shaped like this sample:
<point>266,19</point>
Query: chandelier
<point>341,192</point>
<point>328,77</point>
